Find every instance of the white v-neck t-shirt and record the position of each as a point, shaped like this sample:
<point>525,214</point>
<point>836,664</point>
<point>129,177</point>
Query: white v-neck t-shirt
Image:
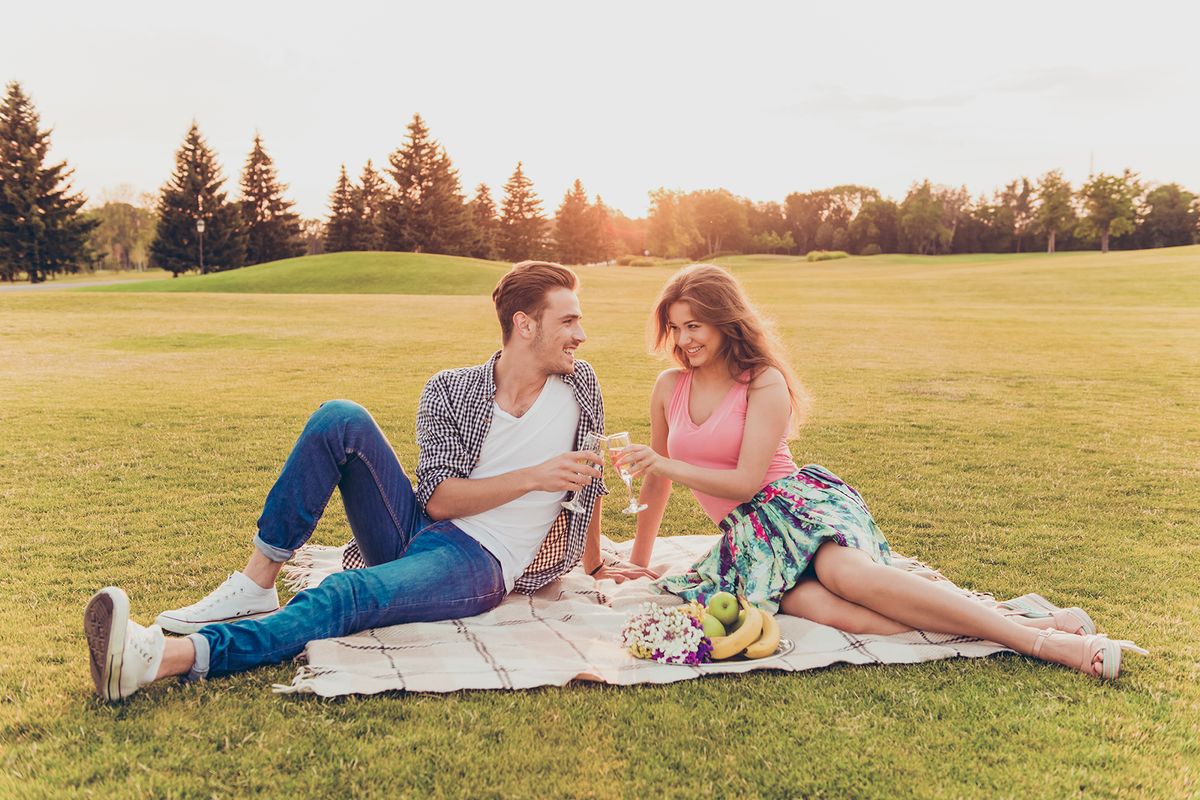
<point>514,531</point>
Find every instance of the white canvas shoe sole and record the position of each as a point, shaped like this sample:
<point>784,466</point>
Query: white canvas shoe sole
<point>183,627</point>
<point>105,620</point>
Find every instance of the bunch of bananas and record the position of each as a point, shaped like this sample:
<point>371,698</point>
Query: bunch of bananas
<point>755,635</point>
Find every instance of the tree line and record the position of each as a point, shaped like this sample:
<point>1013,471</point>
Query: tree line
<point>416,203</point>
<point>1049,215</point>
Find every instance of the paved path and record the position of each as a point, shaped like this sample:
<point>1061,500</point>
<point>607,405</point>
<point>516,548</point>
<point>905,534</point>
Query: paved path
<point>47,286</point>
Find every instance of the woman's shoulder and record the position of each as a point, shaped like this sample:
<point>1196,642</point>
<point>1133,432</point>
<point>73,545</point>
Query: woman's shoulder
<point>667,379</point>
<point>767,377</point>
<point>664,385</point>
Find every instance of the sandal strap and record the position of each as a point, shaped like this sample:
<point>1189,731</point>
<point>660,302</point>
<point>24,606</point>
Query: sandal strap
<point>1042,636</point>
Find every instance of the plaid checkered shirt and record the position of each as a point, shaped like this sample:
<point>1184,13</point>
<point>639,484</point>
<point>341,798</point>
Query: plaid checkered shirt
<point>453,420</point>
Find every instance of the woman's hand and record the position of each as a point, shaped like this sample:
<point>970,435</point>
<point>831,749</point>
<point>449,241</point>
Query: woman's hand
<point>642,461</point>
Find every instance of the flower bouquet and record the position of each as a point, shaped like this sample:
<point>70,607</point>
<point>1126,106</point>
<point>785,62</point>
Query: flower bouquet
<point>672,635</point>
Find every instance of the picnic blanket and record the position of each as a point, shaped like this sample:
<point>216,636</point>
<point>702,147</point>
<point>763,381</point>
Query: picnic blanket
<point>569,631</point>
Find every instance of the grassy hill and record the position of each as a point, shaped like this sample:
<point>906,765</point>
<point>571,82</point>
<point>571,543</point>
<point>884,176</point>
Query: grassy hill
<point>339,273</point>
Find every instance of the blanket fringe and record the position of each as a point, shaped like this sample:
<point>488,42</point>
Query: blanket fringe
<point>301,682</point>
<point>311,563</point>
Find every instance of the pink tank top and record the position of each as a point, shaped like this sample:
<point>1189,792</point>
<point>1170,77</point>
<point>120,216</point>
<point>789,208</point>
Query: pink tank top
<point>717,443</point>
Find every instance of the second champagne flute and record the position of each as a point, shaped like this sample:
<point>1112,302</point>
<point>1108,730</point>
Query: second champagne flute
<point>616,444</point>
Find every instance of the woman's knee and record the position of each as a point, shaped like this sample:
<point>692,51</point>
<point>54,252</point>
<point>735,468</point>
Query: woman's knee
<point>812,601</point>
<point>843,570</point>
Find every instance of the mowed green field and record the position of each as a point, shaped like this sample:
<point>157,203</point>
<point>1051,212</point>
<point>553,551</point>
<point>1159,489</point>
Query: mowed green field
<point>1025,423</point>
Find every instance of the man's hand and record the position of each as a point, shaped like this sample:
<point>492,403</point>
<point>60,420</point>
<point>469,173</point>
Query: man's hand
<point>569,472</point>
<point>625,572</point>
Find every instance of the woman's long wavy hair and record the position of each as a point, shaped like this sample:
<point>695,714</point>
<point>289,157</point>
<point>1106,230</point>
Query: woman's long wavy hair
<point>748,343</point>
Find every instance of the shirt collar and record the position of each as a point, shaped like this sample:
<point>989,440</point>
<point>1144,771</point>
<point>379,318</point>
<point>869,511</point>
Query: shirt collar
<point>583,396</point>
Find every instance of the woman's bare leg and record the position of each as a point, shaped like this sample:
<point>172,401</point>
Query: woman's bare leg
<point>812,601</point>
<point>914,601</point>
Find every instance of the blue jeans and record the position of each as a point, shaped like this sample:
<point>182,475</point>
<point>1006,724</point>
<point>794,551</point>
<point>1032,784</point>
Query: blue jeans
<point>420,571</point>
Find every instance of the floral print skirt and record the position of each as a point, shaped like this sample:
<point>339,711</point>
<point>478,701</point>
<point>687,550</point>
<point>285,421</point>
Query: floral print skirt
<point>767,543</point>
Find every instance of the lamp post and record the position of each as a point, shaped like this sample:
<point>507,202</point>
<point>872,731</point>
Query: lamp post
<point>200,231</point>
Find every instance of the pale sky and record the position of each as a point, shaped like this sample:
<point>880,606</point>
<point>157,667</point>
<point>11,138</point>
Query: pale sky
<point>760,98</point>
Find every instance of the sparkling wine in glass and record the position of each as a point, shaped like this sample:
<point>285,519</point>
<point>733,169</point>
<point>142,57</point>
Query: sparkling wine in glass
<point>616,444</point>
<point>594,442</point>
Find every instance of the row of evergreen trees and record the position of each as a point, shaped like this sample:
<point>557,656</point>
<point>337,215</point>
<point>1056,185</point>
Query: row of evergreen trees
<point>43,229</point>
<point>417,204</point>
<point>200,228</point>
<point>422,209</point>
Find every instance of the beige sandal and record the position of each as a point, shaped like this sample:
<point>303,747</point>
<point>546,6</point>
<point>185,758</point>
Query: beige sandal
<point>1068,620</point>
<point>1090,646</point>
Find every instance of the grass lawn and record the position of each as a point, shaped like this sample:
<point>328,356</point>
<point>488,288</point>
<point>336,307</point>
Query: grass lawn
<point>1023,423</point>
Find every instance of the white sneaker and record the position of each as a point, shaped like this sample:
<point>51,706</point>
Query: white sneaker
<point>237,598</point>
<point>124,655</point>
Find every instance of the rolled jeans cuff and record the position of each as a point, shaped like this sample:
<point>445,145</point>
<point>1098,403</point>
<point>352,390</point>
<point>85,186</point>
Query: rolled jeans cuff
<point>277,554</point>
<point>199,670</point>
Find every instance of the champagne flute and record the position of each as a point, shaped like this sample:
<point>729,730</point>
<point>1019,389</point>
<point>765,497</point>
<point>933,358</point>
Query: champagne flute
<point>616,445</point>
<point>594,442</point>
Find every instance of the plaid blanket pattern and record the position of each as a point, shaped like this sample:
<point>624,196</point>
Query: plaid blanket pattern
<point>568,631</point>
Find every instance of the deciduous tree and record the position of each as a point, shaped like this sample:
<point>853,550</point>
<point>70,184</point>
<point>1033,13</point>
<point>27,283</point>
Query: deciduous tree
<point>1169,217</point>
<point>1109,205</point>
<point>1055,211</point>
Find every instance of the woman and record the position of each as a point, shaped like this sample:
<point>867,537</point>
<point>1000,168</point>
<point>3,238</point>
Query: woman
<point>799,540</point>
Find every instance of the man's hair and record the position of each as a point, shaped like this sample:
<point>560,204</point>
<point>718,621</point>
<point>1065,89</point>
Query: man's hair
<point>524,288</point>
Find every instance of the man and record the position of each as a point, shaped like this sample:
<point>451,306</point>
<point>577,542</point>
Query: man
<point>500,445</point>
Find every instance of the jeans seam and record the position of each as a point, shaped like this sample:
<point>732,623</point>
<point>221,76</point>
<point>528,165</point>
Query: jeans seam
<point>383,496</point>
<point>456,600</point>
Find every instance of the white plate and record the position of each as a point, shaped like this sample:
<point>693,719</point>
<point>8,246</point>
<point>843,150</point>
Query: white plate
<point>785,646</point>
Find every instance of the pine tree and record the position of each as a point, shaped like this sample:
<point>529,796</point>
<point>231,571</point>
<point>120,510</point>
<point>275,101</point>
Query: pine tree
<point>522,223</point>
<point>427,213</point>
<point>370,199</point>
<point>573,227</point>
<point>341,232</point>
<point>485,223</point>
<point>602,238</point>
<point>272,228</point>
<point>41,229</point>
<point>194,194</point>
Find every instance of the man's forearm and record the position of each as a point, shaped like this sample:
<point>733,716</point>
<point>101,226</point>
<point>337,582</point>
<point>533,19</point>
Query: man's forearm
<point>462,497</point>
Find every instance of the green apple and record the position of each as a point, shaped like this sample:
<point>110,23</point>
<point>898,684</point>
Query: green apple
<point>712,626</point>
<point>724,607</point>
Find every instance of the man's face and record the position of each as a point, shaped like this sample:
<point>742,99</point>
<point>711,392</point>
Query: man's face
<point>559,332</point>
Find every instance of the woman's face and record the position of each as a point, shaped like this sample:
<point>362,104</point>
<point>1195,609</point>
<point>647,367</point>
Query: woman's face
<point>699,341</point>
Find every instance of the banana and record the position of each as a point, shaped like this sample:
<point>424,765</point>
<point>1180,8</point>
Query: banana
<point>768,641</point>
<point>746,635</point>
